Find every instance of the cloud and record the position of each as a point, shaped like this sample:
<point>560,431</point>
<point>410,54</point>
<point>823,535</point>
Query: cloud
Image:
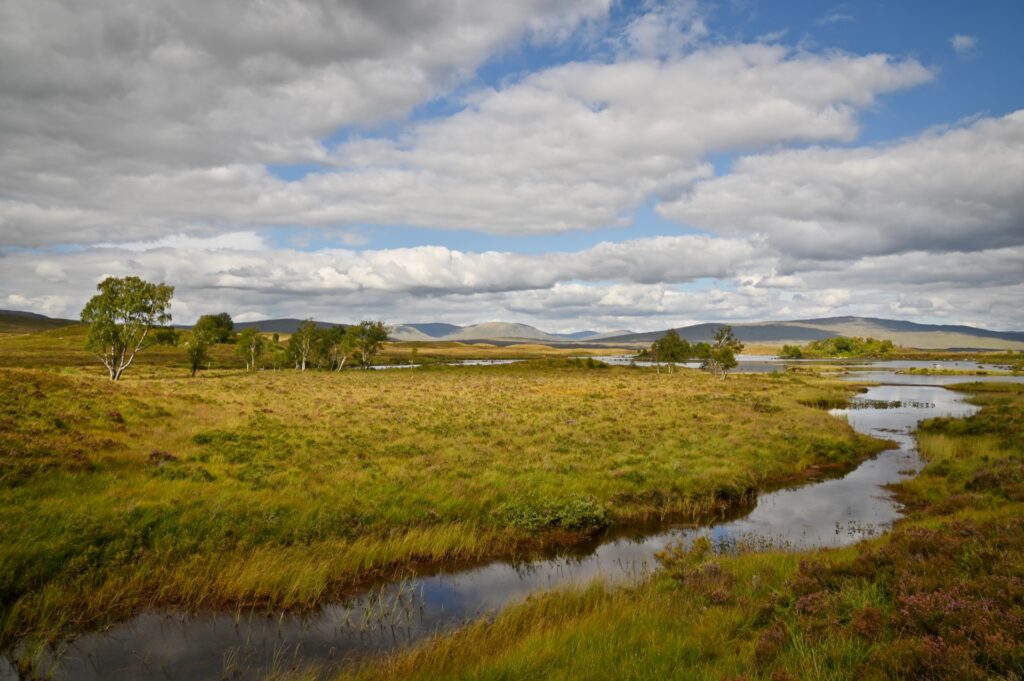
<point>195,83</point>
<point>627,279</point>
<point>642,283</point>
<point>239,241</point>
<point>955,189</point>
<point>117,117</point>
<point>147,136</point>
<point>665,30</point>
<point>833,18</point>
<point>965,46</point>
<point>576,146</point>
<point>422,269</point>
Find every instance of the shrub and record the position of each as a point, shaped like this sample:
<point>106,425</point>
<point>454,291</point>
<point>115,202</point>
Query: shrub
<point>577,514</point>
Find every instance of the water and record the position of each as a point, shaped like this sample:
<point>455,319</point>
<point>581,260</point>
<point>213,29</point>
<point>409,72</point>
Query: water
<point>215,645</point>
<point>454,363</point>
<point>923,379</point>
<point>757,364</point>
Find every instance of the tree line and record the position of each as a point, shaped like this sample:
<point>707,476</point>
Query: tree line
<point>129,314</point>
<point>717,357</point>
<point>310,346</point>
<point>840,346</point>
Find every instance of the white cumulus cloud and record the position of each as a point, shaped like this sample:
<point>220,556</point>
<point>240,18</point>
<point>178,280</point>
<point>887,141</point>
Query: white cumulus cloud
<point>955,189</point>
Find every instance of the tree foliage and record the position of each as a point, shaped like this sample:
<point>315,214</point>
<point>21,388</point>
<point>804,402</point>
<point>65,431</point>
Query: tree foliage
<point>215,328</point>
<point>197,349</point>
<point>840,346</point>
<point>336,346</point>
<point>302,344</point>
<point>791,352</point>
<point>250,348</point>
<point>166,335</point>
<point>367,337</point>
<point>671,348</point>
<point>121,317</point>
<point>723,351</point>
<point>209,329</point>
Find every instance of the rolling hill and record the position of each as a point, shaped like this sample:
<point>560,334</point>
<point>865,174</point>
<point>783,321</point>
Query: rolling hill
<point>492,331</point>
<point>15,321</point>
<point>907,334</point>
<point>285,325</point>
<point>798,331</point>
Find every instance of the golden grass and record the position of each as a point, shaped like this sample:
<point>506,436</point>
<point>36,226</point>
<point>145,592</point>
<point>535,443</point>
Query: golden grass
<point>286,487</point>
<point>940,597</point>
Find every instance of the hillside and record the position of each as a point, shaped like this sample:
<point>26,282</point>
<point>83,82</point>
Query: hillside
<point>907,334</point>
<point>15,321</point>
<point>799,331</point>
<point>492,331</point>
<point>286,325</point>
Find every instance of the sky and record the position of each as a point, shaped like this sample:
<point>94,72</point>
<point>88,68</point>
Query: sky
<point>570,164</point>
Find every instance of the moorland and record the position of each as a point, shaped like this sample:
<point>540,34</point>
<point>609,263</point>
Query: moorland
<point>287,489</point>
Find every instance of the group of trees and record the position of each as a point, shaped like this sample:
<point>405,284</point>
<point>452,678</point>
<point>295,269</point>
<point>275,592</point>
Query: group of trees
<point>332,347</point>
<point>717,357</point>
<point>841,346</point>
<point>208,330</point>
<point>129,314</point>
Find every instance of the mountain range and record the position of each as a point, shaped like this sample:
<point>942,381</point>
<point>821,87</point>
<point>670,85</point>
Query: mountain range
<point>799,331</point>
<point>491,331</point>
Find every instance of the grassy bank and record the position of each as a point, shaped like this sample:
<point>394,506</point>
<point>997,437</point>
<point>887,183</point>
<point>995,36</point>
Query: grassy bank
<point>284,488</point>
<point>940,597</point>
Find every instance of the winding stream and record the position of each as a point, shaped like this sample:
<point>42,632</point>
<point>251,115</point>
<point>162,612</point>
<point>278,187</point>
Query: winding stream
<point>216,645</point>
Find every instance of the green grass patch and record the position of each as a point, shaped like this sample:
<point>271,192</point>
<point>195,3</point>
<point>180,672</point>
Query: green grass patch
<point>284,488</point>
<point>940,597</point>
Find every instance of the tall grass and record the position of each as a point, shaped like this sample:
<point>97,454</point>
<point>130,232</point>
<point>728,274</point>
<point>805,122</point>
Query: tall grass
<point>940,597</point>
<point>286,488</point>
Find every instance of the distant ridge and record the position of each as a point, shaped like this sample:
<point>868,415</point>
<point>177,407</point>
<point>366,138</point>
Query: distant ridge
<point>908,334</point>
<point>911,327</point>
<point>16,321</point>
<point>286,325</point>
<point>491,331</point>
<point>748,333</point>
<point>798,331</point>
<point>435,329</point>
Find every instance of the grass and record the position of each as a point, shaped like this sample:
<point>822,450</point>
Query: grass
<point>917,371</point>
<point>285,488</point>
<point>940,597</point>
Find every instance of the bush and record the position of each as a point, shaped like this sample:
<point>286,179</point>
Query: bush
<point>580,514</point>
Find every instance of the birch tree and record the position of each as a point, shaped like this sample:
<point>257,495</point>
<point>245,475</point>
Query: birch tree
<point>250,348</point>
<point>121,318</point>
<point>722,355</point>
<point>300,345</point>
<point>367,338</point>
<point>339,342</point>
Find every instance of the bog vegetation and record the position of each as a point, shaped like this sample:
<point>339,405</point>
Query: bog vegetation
<point>282,487</point>
<point>940,597</point>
